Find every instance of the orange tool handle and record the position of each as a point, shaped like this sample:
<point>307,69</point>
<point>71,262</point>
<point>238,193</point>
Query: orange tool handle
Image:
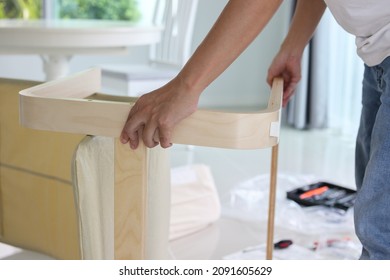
<point>314,192</point>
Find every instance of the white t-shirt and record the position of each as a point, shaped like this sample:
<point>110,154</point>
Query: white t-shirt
<point>369,21</point>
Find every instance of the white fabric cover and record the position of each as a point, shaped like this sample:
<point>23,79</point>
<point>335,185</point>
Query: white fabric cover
<point>93,177</point>
<point>93,182</point>
<point>194,200</point>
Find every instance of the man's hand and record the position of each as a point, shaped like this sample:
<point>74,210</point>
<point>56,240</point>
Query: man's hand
<point>288,67</point>
<point>154,115</point>
<point>287,63</point>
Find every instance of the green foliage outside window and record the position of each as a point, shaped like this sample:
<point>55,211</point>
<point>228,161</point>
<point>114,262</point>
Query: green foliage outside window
<point>99,9</point>
<point>82,9</point>
<point>27,9</point>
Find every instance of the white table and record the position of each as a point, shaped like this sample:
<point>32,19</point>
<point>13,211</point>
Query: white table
<point>56,41</point>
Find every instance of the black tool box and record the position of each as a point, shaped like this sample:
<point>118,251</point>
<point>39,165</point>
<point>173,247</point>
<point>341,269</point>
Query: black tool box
<point>323,193</point>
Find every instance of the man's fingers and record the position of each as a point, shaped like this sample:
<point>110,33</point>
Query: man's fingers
<point>156,136</point>
<point>153,135</point>
<point>288,93</point>
<point>148,121</point>
<point>165,138</point>
<point>124,137</point>
<point>148,135</point>
<point>132,132</point>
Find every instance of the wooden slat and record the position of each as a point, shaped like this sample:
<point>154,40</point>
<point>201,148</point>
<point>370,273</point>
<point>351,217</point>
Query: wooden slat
<point>130,202</point>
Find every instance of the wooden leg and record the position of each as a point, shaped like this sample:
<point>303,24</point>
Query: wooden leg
<point>272,199</point>
<point>130,202</point>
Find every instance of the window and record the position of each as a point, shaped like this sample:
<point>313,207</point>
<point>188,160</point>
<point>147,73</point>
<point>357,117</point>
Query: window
<point>26,9</point>
<point>71,9</point>
<point>98,9</point>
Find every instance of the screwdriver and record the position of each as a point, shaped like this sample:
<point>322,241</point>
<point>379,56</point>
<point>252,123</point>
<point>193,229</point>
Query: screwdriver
<point>282,244</point>
<point>313,192</point>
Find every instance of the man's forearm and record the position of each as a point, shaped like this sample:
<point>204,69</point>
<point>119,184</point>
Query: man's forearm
<point>306,18</point>
<point>238,25</point>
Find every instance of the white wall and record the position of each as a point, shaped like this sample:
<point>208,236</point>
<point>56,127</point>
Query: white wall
<point>243,84</point>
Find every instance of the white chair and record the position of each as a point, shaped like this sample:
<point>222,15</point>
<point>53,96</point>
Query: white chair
<point>166,58</point>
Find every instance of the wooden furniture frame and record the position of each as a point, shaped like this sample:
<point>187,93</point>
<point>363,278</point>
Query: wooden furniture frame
<point>72,105</point>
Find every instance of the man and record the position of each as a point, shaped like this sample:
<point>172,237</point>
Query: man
<point>154,116</point>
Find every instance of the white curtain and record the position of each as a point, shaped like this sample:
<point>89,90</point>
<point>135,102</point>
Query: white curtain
<point>329,94</point>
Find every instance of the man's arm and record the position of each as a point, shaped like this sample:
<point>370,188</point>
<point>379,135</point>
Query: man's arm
<point>154,116</point>
<point>287,63</point>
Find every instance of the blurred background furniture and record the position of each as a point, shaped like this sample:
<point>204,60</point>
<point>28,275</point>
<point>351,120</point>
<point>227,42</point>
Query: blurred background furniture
<point>57,40</point>
<point>167,57</point>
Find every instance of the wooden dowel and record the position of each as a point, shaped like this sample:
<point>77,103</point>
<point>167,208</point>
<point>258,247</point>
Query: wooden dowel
<point>272,200</point>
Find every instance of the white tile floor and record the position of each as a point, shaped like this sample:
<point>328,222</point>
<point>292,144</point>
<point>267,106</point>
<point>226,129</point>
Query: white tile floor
<point>321,154</point>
